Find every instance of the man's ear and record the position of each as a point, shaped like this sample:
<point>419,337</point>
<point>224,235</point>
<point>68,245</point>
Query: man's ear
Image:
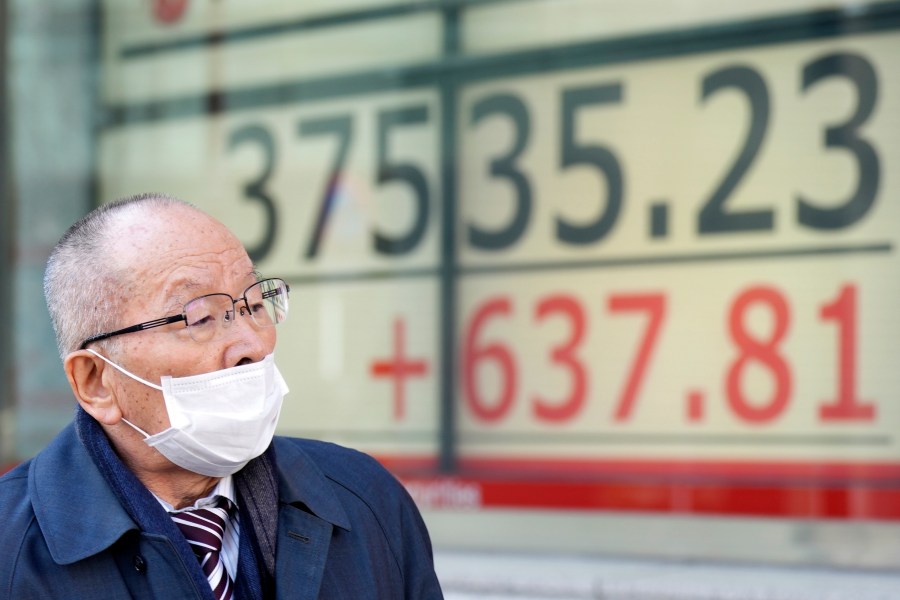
<point>88,376</point>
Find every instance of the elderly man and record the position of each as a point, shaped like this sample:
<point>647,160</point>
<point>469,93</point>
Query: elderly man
<point>169,483</point>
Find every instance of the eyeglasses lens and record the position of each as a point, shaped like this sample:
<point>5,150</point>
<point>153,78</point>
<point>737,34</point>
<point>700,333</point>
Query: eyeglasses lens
<point>267,302</point>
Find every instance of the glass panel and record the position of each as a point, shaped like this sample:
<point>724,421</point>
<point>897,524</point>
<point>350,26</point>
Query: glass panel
<point>594,279</point>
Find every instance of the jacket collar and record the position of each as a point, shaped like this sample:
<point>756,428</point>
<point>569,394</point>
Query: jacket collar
<point>80,515</point>
<point>77,511</point>
<point>301,482</point>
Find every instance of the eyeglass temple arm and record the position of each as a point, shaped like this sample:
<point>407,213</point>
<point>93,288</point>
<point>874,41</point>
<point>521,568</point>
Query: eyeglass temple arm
<point>276,292</point>
<point>139,327</point>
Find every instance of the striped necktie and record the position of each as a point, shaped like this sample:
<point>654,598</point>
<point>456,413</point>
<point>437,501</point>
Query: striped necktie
<point>204,529</point>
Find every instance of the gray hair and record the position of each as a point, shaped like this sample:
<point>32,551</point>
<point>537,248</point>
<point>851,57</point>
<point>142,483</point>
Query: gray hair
<point>81,279</point>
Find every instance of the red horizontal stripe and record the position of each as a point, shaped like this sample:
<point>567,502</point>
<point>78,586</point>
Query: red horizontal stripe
<point>594,468</point>
<point>787,501</point>
<point>789,489</point>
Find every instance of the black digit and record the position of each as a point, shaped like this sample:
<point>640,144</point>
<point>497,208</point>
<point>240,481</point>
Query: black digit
<point>255,191</point>
<point>505,166</point>
<point>408,173</point>
<point>598,156</point>
<point>860,72</point>
<point>342,127</point>
<point>713,217</point>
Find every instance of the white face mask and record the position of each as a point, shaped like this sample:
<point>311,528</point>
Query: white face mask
<point>219,420</point>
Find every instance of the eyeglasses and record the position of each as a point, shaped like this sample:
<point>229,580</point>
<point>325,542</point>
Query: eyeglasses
<point>265,302</point>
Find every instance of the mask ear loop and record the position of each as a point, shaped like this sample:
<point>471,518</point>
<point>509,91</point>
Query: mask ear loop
<point>130,374</point>
<point>133,376</point>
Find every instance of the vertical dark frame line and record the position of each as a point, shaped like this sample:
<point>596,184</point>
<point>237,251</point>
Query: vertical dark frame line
<point>7,251</point>
<point>448,270</point>
<point>95,27</point>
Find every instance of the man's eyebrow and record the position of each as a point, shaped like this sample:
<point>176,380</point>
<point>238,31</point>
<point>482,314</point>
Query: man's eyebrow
<point>177,297</point>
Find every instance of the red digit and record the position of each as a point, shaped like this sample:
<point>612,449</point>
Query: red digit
<point>473,354</point>
<point>847,406</point>
<point>564,355</point>
<point>655,307</point>
<point>763,351</point>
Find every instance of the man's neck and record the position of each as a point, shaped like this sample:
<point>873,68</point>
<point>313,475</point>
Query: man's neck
<point>186,497</point>
<point>179,487</point>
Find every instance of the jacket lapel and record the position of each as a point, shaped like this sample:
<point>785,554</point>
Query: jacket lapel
<point>303,541</point>
<point>301,482</point>
<point>309,513</point>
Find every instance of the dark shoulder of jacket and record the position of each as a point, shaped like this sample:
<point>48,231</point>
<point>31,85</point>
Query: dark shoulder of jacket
<point>388,503</point>
<point>373,485</point>
<point>16,515</point>
<point>14,498</point>
<point>351,468</point>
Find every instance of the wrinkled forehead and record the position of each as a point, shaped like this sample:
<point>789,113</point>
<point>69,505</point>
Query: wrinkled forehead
<point>176,252</point>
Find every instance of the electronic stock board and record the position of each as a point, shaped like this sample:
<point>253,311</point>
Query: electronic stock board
<point>553,255</point>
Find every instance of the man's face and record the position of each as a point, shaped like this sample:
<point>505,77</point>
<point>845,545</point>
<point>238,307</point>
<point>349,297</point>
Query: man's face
<point>176,256</point>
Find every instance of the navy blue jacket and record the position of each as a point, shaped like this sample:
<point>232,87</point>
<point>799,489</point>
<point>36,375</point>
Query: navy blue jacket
<point>346,529</point>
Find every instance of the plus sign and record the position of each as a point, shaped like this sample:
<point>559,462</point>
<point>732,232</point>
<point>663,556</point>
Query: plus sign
<point>399,367</point>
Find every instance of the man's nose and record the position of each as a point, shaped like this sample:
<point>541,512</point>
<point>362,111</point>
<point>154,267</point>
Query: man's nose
<point>246,342</point>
